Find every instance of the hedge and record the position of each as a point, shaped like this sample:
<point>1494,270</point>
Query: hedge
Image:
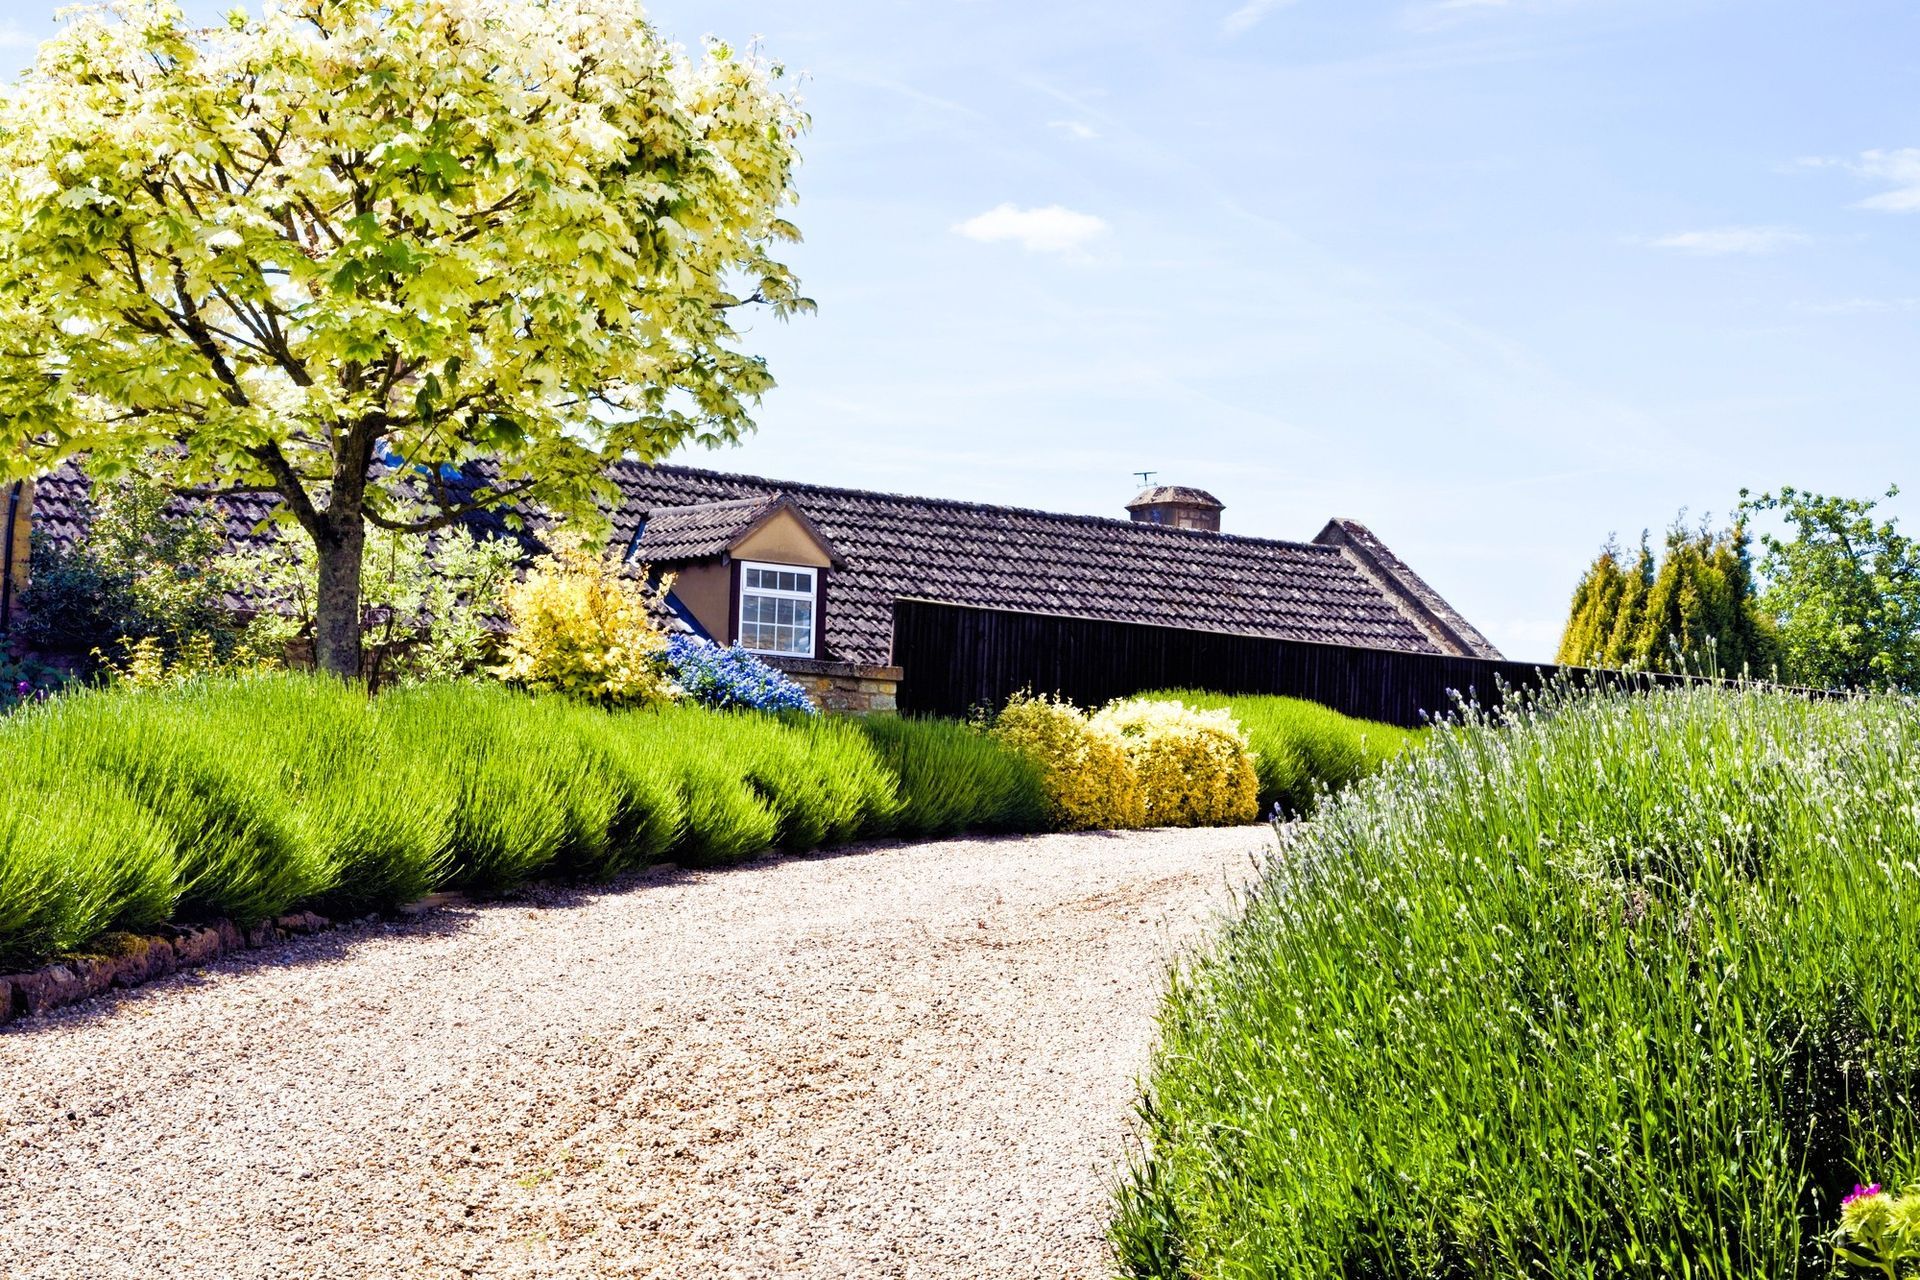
<point>1302,750</point>
<point>249,797</point>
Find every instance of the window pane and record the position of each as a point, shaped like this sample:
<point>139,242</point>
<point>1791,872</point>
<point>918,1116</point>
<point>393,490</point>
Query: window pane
<point>803,613</point>
<point>753,578</point>
<point>803,640</point>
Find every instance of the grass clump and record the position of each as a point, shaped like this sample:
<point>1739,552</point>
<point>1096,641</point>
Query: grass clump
<point>726,819</point>
<point>953,777</point>
<point>1624,986</point>
<point>1302,750</point>
<point>648,811</point>
<point>382,827</point>
<point>76,861</point>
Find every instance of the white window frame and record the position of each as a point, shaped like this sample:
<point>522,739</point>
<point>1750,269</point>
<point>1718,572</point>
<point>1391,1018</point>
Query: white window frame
<point>811,597</point>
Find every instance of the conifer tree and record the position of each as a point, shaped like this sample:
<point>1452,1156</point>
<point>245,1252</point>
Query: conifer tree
<point>1632,607</point>
<point>1691,610</point>
<point>1595,601</point>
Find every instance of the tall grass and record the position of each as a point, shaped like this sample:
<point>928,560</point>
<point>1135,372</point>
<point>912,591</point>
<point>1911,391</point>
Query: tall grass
<point>1627,987</point>
<point>952,777</point>
<point>1304,750</point>
<point>360,804</point>
<point>648,813</point>
<point>76,862</point>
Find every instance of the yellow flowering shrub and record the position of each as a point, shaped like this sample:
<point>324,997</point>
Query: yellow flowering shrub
<point>578,627</point>
<point>146,664</point>
<point>1089,781</point>
<point>1195,767</point>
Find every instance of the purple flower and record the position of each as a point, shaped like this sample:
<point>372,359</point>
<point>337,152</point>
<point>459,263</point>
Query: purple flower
<point>1861,1193</point>
<point>22,688</point>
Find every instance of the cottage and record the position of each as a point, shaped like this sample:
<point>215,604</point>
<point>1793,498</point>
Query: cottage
<point>809,575</point>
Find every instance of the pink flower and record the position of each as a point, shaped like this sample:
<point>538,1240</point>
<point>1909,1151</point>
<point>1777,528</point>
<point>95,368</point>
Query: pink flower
<point>1861,1193</point>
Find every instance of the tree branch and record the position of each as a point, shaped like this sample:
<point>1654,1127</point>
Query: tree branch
<point>451,515</point>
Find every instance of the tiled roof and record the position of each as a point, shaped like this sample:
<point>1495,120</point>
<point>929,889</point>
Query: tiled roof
<point>1084,566</point>
<point>670,535</point>
<point>1343,588</point>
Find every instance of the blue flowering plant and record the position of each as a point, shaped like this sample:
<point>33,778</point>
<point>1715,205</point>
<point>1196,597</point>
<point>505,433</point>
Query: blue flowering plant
<point>728,677</point>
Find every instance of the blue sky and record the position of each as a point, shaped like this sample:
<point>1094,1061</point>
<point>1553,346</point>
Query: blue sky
<point>1496,277</point>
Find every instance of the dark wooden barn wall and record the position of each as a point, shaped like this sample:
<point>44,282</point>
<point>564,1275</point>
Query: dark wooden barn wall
<point>957,658</point>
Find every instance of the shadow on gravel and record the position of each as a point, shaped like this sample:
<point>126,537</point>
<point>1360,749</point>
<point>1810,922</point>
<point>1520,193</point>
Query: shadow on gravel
<point>338,944</point>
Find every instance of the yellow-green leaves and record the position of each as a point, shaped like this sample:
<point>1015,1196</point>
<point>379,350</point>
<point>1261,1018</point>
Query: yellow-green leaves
<point>266,232</point>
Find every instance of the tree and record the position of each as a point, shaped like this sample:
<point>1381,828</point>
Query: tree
<point>345,251</point>
<point>1694,607</point>
<point>1844,589</point>
<point>1596,601</point>
<point>426,599</point>
<point>1607,607</point>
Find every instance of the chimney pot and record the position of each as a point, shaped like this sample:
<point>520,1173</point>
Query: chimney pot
<point>1178,506</point>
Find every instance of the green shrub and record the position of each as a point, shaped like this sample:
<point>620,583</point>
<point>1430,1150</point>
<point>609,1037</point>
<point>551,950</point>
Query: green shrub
<point>953,777</point>
<point>78,856</point>
<point>242,852</point>
<point>649,806</point>
<point>818,782</point>
<point>725,820</point>
<point>383,826</point>
<point>823,777</point>
<point>526,790</point>
<point>1302,749</point>
<point>1629,987</point>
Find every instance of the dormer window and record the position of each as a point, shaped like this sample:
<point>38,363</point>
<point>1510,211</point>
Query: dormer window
<point>777,607</point>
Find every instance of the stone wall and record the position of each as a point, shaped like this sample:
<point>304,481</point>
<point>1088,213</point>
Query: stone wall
<point>844,688</point>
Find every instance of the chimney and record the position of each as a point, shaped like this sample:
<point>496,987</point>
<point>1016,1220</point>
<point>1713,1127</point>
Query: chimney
<point>1178,506</point>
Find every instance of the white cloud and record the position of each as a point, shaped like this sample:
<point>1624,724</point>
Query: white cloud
<point>1901,168</point>
<point>1078,130</point>
<point>12,37</point>
<point>1717,241</point>
<point>1250,15</point>
<point>1052,229</point>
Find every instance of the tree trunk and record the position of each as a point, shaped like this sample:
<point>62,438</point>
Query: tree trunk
<point>336,617</point>
<point>340,539</point>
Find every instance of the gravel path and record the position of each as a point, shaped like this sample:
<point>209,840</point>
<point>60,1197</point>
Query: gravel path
<point>905,1062</point>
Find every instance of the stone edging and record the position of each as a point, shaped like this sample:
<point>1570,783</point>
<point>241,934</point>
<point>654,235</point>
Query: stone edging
<point>132,960</point>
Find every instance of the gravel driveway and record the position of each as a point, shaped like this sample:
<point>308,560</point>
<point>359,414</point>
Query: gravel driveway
<point>913,1061</point>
